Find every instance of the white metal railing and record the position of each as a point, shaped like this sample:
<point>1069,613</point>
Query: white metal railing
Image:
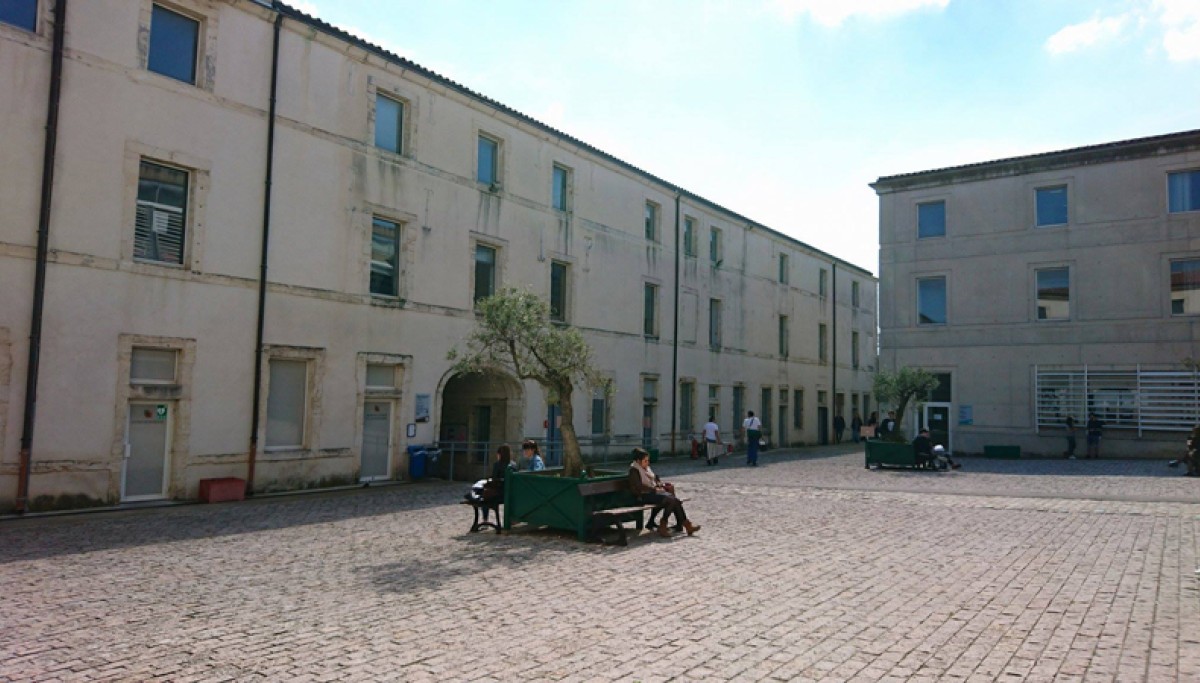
<point>1123,398</point>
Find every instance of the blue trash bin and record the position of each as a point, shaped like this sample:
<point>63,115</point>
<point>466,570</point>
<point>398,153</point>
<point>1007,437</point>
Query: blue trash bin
<point>417,458</point>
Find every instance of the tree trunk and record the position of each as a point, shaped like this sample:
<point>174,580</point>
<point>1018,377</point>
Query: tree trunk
<point>572,458</point>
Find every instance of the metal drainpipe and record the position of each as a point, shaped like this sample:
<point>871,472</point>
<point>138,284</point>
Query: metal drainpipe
<point>262,278</point>
<point>833,335</point>
<point>43,249</point>
<point>675,333</point>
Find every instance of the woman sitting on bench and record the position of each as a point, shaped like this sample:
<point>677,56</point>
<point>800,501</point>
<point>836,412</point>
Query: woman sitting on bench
<point>493,488</point>
<point>650,490</point>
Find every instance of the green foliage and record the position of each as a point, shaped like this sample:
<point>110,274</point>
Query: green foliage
<point>900,387</point>
<point>515,336</point>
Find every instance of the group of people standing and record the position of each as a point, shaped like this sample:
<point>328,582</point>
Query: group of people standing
<point>714,446</point>
<point>1095,430</point>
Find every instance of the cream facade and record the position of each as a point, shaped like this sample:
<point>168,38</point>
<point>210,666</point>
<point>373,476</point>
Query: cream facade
<point>1051,285</point>
<point>396,197</point>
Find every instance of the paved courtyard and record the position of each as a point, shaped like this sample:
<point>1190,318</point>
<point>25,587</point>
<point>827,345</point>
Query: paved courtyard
<point>807,568</point>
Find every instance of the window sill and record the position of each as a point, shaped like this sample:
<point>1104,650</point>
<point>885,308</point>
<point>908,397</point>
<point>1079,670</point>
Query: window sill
<point>385,301</point>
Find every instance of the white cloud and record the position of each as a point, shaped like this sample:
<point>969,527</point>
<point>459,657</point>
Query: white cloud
<point>834,12</point>
<point>1086,34</point>
<point>1180,20</point>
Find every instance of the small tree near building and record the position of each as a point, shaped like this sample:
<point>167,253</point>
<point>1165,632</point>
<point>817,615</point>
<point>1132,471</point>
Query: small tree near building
<point>514,335</point>
<point>900,387</point>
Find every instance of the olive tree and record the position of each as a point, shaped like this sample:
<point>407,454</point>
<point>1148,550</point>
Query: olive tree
<point>900,387</point>
<point>514,334</point>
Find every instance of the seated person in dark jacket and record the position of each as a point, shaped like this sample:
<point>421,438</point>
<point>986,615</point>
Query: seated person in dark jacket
<point>923,448</point>
<point>650,490</point>
<point>493,489</point>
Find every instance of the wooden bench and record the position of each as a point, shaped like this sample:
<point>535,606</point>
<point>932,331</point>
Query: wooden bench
<point>612,505</point>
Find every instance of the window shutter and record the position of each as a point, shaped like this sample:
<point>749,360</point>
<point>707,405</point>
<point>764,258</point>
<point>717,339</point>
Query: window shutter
<point>158,233</point>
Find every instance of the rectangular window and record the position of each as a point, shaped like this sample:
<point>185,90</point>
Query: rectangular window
<point>599,412</point>
<point>783,336</point>
<point>161,214</point>
<point>174,40</point>
<point>489,162</point>
<point>798,408</point>
<point>823,283</point>
<point>19,13</point>
<point>389,124</point>
<point>931,301</point>
<point>559,185</point>
<point>287,403</point>
<point>1185,287</point>
<point>689,237</point>
<point>1052,206</point>
<point>485,272</point>
<point>714,323</point>
<point>765,413</point>
<point>1183,191</point>
<point>1053,294</point>
<point>714,246</point>
<point>854,300</point>
<point>650,389</point>
<point>931,220</point>
<point>381,376</point>
<point>558,291</point>
<point>822,343</point>
<point>854,350</point>
<point>385,257</point>
<point>739,407</point>
<point>650,311</point>
<point>687,407</point>
<point>151,366</point>
<point>783,269</point>
<point>652,221</point>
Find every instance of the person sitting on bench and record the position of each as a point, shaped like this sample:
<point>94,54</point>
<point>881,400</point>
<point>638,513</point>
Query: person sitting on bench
<point>493,488</point>
<point>650,490</point>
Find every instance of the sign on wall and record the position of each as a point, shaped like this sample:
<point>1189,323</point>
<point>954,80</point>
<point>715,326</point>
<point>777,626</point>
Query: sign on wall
<point>424,401</point>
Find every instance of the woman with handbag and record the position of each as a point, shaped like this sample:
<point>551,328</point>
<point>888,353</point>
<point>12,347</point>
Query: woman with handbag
<point>650,490</point>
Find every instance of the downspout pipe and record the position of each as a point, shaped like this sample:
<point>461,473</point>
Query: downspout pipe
<point>834,346</point>
<point>43,250</point>
<point>256,403</point>
<point>675,333</point>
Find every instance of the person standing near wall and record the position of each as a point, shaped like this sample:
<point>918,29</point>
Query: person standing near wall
<point>839,426</point>
<point>856,424</point>
<point>1095,429</point>
<point>1070,424</point>
<point>712,441</point>
<point>753,427</point>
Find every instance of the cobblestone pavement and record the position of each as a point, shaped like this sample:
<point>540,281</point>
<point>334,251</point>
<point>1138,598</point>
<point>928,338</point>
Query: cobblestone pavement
<point>807,568</point>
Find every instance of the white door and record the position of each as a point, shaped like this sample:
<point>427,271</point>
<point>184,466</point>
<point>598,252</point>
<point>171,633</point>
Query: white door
<point>377,441</point>
<point>147,443</point>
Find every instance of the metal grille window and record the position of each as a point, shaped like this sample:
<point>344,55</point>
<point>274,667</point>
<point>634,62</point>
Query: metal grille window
<point>385,257</point>
<point>160,224</point>
<point>1123,398</point>
<point>174,39</point>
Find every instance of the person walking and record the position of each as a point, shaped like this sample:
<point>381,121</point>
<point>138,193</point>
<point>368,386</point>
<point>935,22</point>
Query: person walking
<point>712,441</point>
<point>856,424</point>
<point>839,426</point>
<point>753,427</point>
<point>1070,424</point>
<point>1095,430</point>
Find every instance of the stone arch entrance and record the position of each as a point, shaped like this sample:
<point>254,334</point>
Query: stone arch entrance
<point>480,411</point>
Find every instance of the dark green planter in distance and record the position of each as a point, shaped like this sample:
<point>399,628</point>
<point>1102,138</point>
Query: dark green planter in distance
<point>1002,452</point>
<point>547,498</point>
<point>897,454</point>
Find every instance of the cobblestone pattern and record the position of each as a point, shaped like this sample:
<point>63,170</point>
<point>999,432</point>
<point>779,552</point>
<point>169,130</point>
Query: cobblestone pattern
<point>800,573</point>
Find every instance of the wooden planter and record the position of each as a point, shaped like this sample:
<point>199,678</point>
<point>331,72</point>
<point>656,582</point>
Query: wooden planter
<point>890,453</point>
<point>547,498</point>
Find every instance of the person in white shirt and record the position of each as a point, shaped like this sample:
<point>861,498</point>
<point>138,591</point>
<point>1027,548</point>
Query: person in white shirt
<point>712,441</point>
<point>753,427</point>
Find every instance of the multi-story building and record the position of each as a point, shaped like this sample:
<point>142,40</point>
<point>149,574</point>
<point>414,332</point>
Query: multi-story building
<point>263,235</point>
<point>1050,285</point>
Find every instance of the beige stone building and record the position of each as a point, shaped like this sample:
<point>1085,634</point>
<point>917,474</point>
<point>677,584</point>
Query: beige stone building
<point>379,201</point>
<point>1050,285</point>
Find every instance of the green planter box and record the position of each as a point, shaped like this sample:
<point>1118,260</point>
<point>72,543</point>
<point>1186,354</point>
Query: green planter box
<point>547,498</point>
<point>890,453</point>
<point>1002,452</point>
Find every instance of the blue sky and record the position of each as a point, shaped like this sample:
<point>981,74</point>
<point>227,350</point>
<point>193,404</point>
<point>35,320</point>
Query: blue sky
<point>784,110</point>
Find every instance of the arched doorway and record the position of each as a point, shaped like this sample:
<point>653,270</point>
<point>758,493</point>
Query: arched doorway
<point>480,411</point>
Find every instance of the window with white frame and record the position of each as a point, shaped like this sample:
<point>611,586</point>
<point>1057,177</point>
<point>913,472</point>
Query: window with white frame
<point>1053,294</point>
<point>152,366</point>
<point>1183,191</point>
<point>174,44</point>
<point>287,404</point>
<point>385,257</point>
<point>161,217</point>
<point>1051,206</point>
<point>19,13</point>
<point>485,272</point>
<point>1185,286</point>
<point>488,162</point>
<point>389,124</point>
<point>560,185</point>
